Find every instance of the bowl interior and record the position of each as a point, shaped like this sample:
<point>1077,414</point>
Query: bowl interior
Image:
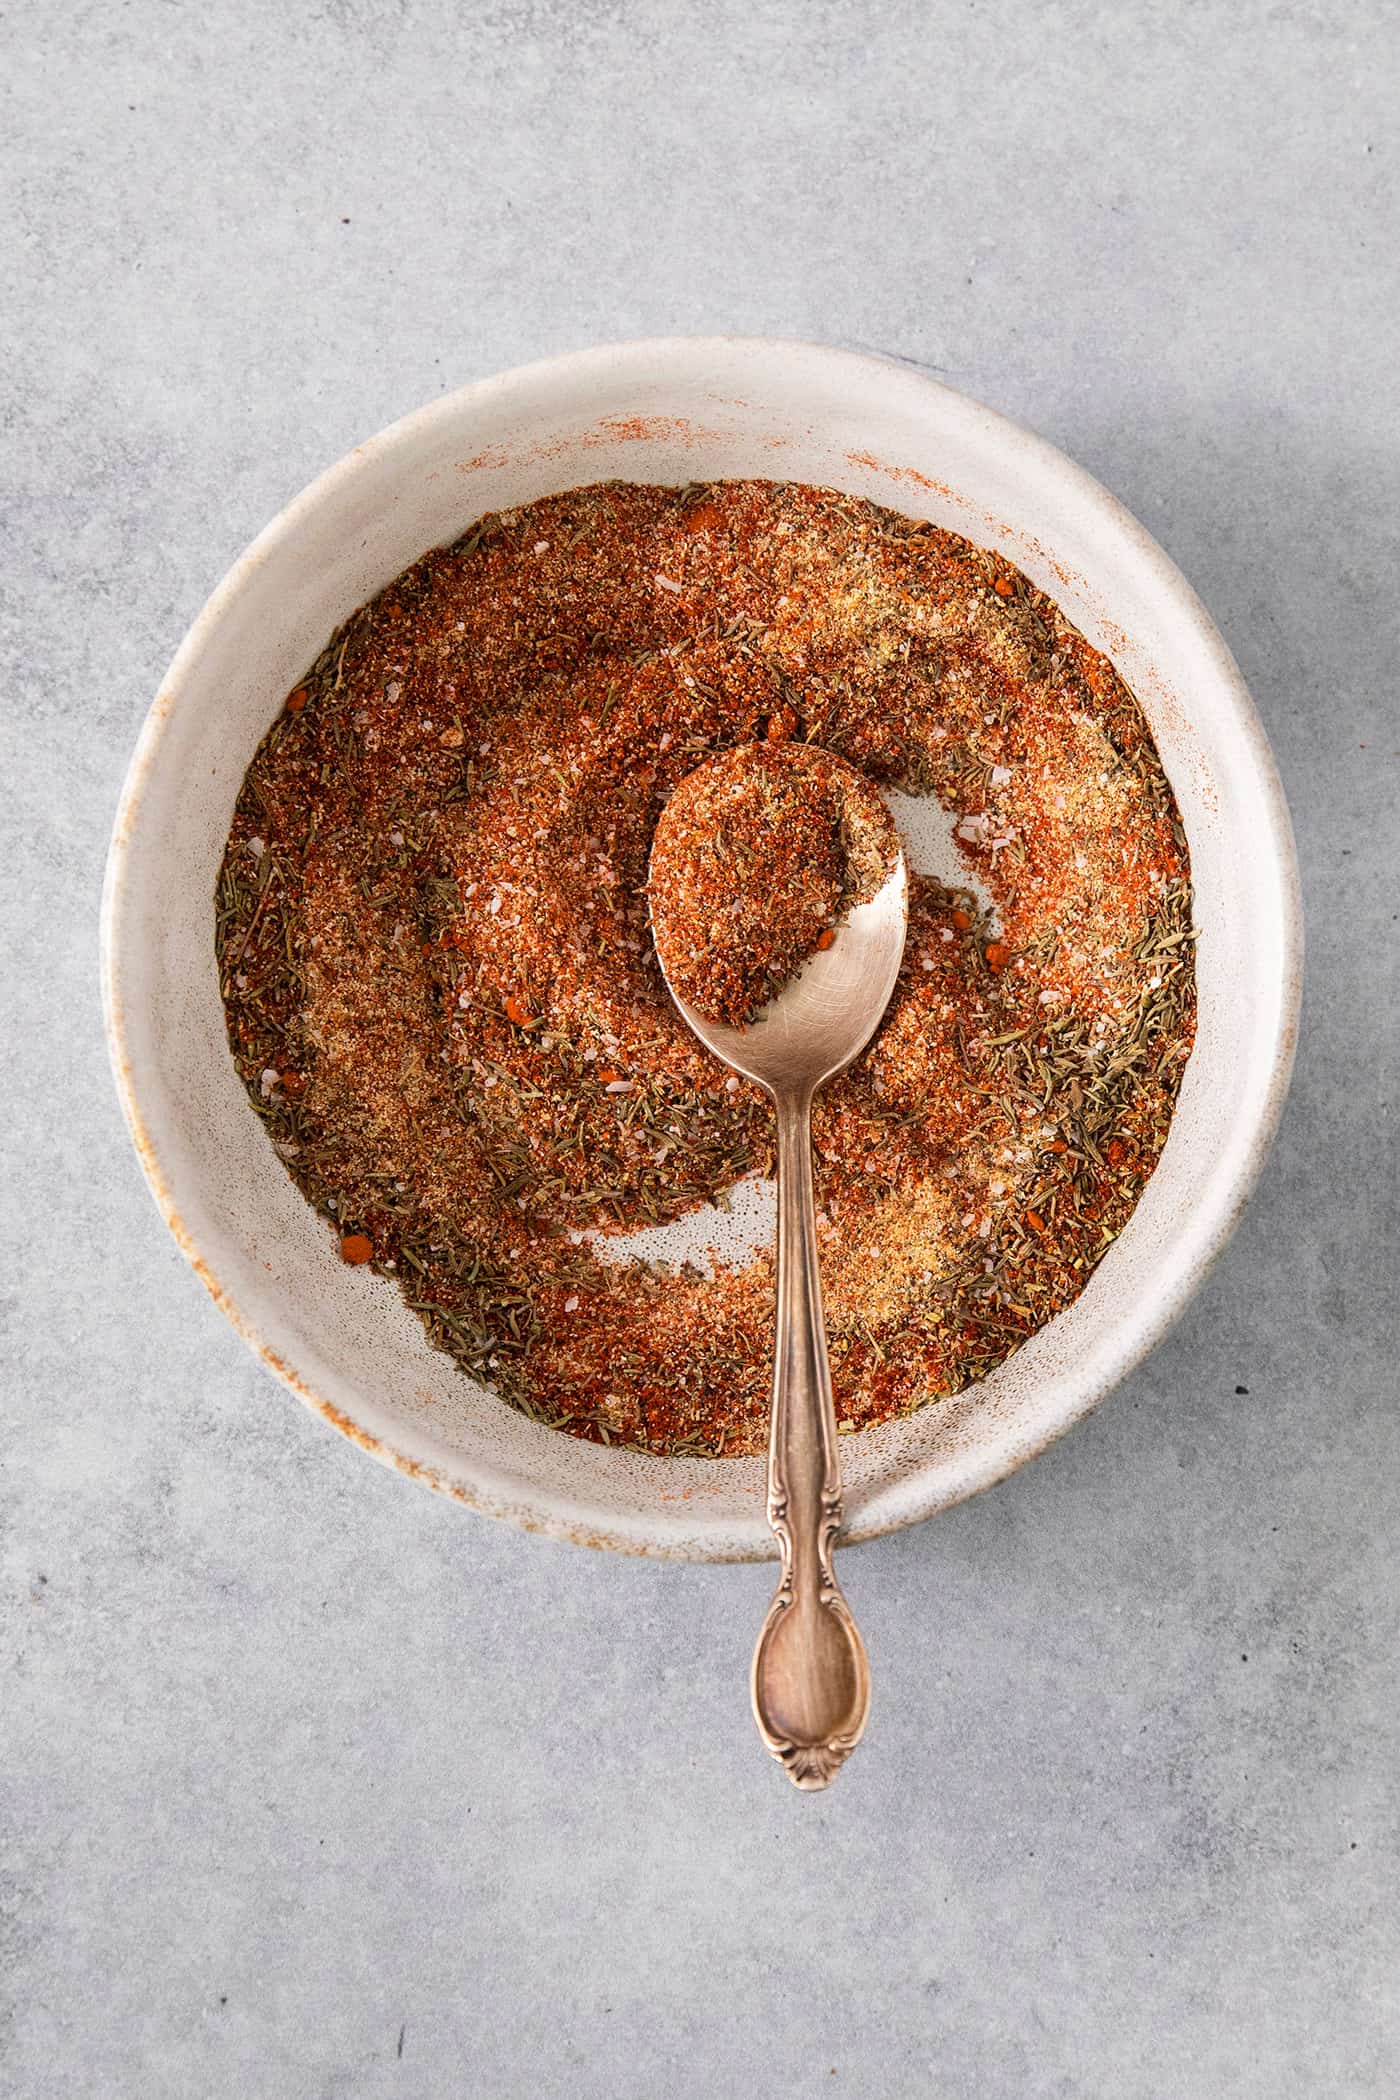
<point>672,413</point>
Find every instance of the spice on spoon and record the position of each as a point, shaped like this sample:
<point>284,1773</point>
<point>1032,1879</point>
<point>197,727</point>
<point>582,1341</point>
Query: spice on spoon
<point>758,856</point>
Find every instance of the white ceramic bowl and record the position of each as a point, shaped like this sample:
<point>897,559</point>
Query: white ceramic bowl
<point>677,411</point>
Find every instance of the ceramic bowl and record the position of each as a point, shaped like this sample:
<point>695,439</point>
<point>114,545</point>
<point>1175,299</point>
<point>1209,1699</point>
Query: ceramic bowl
<point>672,412</point>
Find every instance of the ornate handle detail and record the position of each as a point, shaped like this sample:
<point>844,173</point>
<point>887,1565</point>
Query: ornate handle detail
<point>811,1680</point>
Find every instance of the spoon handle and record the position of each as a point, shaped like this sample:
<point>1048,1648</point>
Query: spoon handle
<point>811,1681</point>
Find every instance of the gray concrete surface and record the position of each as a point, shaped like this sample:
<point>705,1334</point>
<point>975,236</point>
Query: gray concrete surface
<point>319,1789</point>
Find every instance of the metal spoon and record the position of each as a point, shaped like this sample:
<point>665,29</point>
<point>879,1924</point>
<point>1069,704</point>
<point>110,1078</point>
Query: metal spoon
<point>810,1680</point>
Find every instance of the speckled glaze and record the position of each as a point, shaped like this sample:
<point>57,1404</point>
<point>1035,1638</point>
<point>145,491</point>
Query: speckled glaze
<point>674,411</point>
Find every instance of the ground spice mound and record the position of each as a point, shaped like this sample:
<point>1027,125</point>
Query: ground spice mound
<point>432,932</point>
<point>758,856</point>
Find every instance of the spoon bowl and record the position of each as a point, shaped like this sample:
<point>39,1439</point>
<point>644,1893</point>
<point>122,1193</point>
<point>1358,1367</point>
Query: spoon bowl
<point>823,1017</point>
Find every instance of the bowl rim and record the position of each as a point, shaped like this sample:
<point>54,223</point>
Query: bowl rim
<point>921,1494</point>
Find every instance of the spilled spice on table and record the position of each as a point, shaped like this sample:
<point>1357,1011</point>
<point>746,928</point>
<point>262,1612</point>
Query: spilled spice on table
<point>442,997</point>
<point>757,858</point>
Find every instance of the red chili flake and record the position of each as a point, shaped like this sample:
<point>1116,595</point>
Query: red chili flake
<point>296,700</point>
<point>519,1012</point>
<point>998,955</point>
<point>356,1247</point>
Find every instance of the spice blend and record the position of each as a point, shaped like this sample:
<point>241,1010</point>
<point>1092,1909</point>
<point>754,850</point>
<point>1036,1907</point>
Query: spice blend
<point>757,858</point>
<point>442,995</point>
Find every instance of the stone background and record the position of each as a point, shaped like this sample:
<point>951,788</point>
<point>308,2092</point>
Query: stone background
<point>319,1788</point>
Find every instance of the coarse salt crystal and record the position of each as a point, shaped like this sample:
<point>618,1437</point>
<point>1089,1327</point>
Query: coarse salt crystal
<point>257,848</point>
<point>392,689</point>
<point>571,1305</point>
<point>619,1086</point>
<point>664,583</point>
<point>541,546</point>
<point>270,1079</point>
<point>1001,776</point>
<point>494,905</point>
